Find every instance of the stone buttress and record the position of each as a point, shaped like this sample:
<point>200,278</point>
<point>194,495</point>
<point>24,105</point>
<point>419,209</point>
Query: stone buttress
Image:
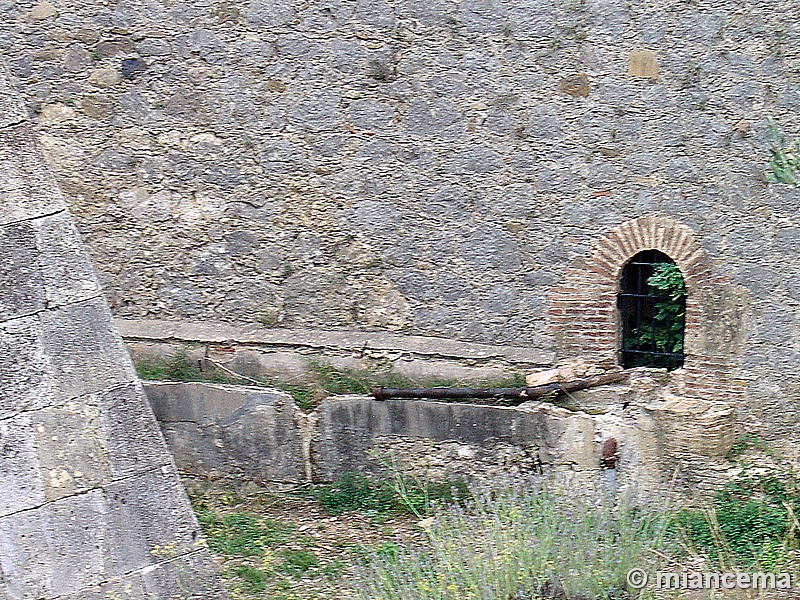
<point>91,506</point>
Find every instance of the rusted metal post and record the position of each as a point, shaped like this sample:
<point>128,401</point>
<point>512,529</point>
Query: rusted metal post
<point>520,394</point>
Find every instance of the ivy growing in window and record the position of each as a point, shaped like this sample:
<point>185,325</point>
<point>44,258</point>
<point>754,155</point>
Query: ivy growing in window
<point>652,303</point>
<point>665,333</point>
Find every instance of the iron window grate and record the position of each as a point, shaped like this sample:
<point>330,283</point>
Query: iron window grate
<point>651,320</point>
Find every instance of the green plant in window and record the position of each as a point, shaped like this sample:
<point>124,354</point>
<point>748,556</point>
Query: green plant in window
<point>665,332</point>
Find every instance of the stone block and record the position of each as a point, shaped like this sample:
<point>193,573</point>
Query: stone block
<point>485,16</point>
<point>21,486</point>
<point>347,427</point>
<point>268,14</point>
<point>138,510</point>
<point>643,63</point>
<point>690,426</point>
<point>11,108</point>
<point>64,266</point>
<point>42,11</point>
<point>283,157</point>
<point>576,86</point>
<point>132,440</point>
<point>104,78</point>
<point>27,190</point>
<point>70,448</point>
<point>189,576</point>
<point>55,549</point>
<point>21,285</point>
<point>85,353</point>
<point>475,160</point>
<point>565,373</point>
<point>226,430</point>
<point>24,368</point>
<point>566,439</point>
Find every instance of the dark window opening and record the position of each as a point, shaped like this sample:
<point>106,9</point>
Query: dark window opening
<point>652,309</point>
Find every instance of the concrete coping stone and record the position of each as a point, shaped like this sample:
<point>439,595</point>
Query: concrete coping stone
<point>250,334</point>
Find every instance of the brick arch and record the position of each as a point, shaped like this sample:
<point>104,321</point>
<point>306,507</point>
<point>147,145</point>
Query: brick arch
<point>583,309</point>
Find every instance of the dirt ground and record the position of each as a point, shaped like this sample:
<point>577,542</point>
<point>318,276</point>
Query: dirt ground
<point>293,549</point>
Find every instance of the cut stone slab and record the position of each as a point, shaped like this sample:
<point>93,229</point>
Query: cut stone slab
<point>643,63</point>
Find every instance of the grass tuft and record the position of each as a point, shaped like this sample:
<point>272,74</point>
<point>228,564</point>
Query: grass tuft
<point>381,497</point>
<point>296,562</point>
<point>241,534</point>
<point>751,523</point>
<point>325,379</point>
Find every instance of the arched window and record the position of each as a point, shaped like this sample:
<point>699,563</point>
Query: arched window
<point>652,312</point>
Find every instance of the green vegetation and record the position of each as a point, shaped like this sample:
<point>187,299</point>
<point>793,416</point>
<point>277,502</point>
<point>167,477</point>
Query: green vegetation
<point>260,550</point>
<point>296,561</point>
<point>381,497</point>
<point>522,543</point>
<point>532,542</point>
<point>745,443</point>
<point>251,580</point>
<point>542,543</point>
<point>240,534</point>
<point>665,333</point>
<point>353,492</point>
<point>752,522</point>
<point>177,367</point>
<point>784,163</point>
<point>324,379</point>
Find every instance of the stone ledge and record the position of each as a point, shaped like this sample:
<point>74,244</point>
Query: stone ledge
<point>250,334</point>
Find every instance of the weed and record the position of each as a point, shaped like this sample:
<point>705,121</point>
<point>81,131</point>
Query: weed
<point>361,381</point>
<point>745,442</point>
<point>241,534</point>
<point>177,367</point>
<point>750,523</point>
<point>295,562</point>
<point>306,397</point>
<point>380,497</point>
<point>253,580</point>
<point>354,492</point>
<point>784,164</point>
<point>363,554</point>
<point>340,381</point>
<point>416,495</point>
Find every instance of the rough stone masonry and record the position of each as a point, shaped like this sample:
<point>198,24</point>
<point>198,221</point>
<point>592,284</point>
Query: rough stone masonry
<point>438,169</point>
<point>448,170</point>
<point>91,506</point>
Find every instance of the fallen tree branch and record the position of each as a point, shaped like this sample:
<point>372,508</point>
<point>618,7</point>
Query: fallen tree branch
<point>518,394</point>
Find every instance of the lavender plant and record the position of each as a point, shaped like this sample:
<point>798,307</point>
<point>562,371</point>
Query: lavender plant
<point>522,544</point>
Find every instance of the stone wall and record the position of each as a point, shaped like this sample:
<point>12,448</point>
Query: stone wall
<point>427,168</point>
<point>91,506</point>
<point>254,434</point>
